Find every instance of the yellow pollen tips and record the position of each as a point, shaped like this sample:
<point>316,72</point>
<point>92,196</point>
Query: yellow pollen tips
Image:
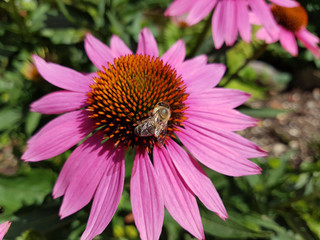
<point>292,19</point>
<point>128,91</point>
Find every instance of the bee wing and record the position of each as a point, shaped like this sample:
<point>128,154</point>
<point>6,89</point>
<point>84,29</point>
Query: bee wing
<point>162,137</point>
<point>145,128</point>
<point>160,130</point>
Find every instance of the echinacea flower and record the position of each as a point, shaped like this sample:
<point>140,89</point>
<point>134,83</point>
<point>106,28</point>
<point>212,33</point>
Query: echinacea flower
<point>230,17</point>
<point>4,229</point>
<point>291,22</point>
<point>135,91</point>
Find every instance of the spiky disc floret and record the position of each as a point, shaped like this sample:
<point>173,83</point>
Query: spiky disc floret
<point>126,93</point>
<point>292,19</point>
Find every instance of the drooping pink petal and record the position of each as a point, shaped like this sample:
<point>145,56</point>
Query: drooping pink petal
<point>230,27</point>
<point>262,34</point>
<point>238,143</point>
<point>217,97</point>
<point>91,75</point>
<point>196,179</point>
<point>310,41</point>
<point>85,180</point>
<point>288,41</point>
<point>147,43</point>
<point>285,3</point>
<point>107,197</point>
<point>253,19</point>
<point>62,77</point>
<point>98,53</point>
<point>4,229</point>
<point>243,20</point>
<point>218,24</point>
<point>215,154</point>
<point>118,47</point>
<point>58,136</point>
<point>176,54</point>
<point>199,11</point>
<point>191,66</point>
<point>146,197</point>
<point>60,102</point>
<point>179,7</point>
<point>209,74</point>
<point>76,159</point>
<point>178,198</point>
<point>221,118</point>
<point>261,9</point>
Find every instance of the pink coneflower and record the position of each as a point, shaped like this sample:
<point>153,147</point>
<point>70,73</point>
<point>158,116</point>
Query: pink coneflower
<point>143,102</point>
<point>292,23</point>
<point>4,229</point>
<point>230,17</point>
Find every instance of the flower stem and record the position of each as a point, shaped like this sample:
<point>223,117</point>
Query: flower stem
<point>260,50</point>
<point>201,37</point>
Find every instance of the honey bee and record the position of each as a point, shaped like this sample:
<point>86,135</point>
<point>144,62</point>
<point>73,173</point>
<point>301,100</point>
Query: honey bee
<point>156,124</point>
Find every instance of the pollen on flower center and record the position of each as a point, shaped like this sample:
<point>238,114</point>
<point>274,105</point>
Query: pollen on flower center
<point>128,91</point>
<point>292,19</point>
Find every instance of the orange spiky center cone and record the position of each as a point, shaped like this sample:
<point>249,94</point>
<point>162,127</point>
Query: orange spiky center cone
<point>126,94</point>
<point>292,19</point>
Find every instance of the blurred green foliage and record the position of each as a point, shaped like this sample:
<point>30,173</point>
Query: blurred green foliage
<point>282,203</point>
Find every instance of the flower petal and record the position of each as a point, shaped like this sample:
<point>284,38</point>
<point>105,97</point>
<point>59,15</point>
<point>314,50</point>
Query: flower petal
<point>262,34</point>
<point>62,77</point>
<point>76,159</point>
<point>233,140</point>
<point>310,41</point>
<point>147,43</point>
<point>178,7</point>
<point>191,66</point>
<point>215,153</point>
<point>146,197</point>
<point>218,25</point>
<point>178,198</point>
<point>262,10</point>
<point>107,197</point>
<point>196,179</point>
<point>4,229</point>
<point>87,176</point>
<point>176,54</point>
<point>243,20</point>
<point>221,118</point>
<point>207,76</point>
<point>285,3</point>
<point>99,53</point>
<point>60,102</point>
<point>199,11</point>
<point>230,27</point>
<point>218,97</point>
<point>118,47</point>
<point>58,136</point>
<point>288,42</point>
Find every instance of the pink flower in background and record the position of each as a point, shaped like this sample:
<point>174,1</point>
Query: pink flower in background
<point>230,17</point>
<point>142,101</point>
<point>4,229</point>
<point>292,23</point>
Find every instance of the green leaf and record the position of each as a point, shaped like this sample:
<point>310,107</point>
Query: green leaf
<point>38,18</point>
<point>262,112</point>
<point>42,222</point>
<point>9,117</point>
<point>233,228</point>
<point>27,188</point>
<point>249,87</point>
<point>32,122</point>
<point>64,36</point>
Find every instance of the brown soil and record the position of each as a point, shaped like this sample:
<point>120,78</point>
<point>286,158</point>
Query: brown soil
<point>297,130</point>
